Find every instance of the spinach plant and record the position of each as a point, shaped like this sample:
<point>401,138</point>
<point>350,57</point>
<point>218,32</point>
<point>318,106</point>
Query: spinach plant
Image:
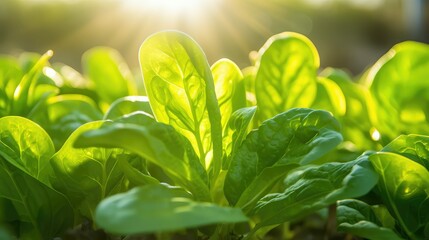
<point>213,152</point>
<point>217,176</point>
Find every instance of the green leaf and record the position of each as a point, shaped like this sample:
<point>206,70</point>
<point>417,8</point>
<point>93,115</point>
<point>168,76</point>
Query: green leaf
<point>293,138</point>
<point>287,72</point>
<point>157,143</point>
<point>127,105</point>
<point>24,92</point>
<point>229,87</point>
<point>330,97</point>
<point>10,76</point>
<point>26,146</point>
<point>63,114</point>
<point>239,126</point>
<point>414,147</point>
<point>249,76</point>
<point>397,85</point>
<point>313,188</point>
<point>110,74</point>
<point>181,92</point>
<point>25,150</point>
<point>360,115</point>
<point>160,208</point>
<point>403,187</point>
<point>360,219</point>
<point>88,175</point>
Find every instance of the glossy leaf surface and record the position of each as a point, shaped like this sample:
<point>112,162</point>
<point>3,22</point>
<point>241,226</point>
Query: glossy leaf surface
<point>181,91</point>
<point>293,138</point>
<point>360,219</point>
<point>403,186</point>
<point>25,150</point>
<point>313,188</point>
<point>159,144</point>
<point>159,208</point>
<point>286,71</point>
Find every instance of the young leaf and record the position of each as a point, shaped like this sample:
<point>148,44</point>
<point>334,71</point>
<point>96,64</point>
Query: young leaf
<point>109,73</point>
<point>403,186</point>
<point>25,149</point>
<point>414,147</point>
<point>360,115</point>
<point>181,91</point>
<point>157,143</point>
<point>63,114</point>
<point>24,92</point>
<point>296,137</point>
<point>128,105</point>
<point>400,94</point>
<point>287,71</point>
<point>229,88</point>
<point>313,188</point>
<point>360,219</point>
<point>160,208</point>
<point>88,175</point>
<point>239,125</point>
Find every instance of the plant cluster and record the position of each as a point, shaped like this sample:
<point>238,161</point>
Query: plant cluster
<point>214,152</point>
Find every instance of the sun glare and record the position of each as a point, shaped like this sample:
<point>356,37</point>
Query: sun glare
<point>169,6</point>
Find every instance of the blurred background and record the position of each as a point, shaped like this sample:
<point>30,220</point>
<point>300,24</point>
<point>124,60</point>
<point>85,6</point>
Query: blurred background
<point>350,34</point>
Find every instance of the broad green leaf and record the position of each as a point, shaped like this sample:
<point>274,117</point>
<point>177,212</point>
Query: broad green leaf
<point>293,138</point>
<point>88,175</point>
<point>404,189</point>
<point>239,125</point>
<point>64,114</point>
<point>360,219</point>
<point>398,85</point>
<point>287,74</point>
<point>127,105</point>
<point>25,150</point>
<point>160,208</point>
<point>229,87</point>
<point>181,91</point>
<point>159,144</point>
<point>110,74</point>
<point>414,147</point>
<point>26,146</point>
<point>330,97</point>
<point>313,188</point>
<point>360,115</point>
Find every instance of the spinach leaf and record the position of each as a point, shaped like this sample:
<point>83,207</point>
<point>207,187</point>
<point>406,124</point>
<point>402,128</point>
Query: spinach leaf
<point>293,138</point>
<point>181,91</point>
<point>360,115</point>
<point>313,188</point>
<point>109,73</point>
<point>88,175</point>
<point>157,143</point>
<point>25,150</point>
<point>360,219</point>
<point>403,187</point>
<point>397,85</point>
<point>413,146</point>
<point>29,93</point>
<point>160,208</point>
<point>63,114</point>
<point>229,88</point>
<point>127,105</point>
<point>287,70</point>
<point>239,126</point>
